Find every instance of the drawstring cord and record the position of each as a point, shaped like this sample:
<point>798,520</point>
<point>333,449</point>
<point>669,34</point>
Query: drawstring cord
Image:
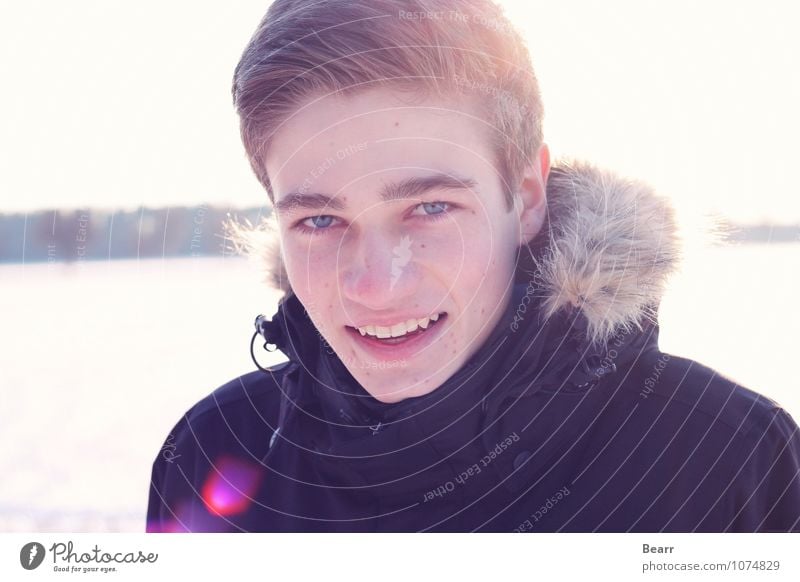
<point>272,334</point>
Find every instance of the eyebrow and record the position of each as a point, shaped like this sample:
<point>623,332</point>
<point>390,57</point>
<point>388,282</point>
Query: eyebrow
<point>408,188</point>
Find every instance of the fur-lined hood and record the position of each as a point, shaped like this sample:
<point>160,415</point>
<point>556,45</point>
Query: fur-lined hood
<point>608,247</point>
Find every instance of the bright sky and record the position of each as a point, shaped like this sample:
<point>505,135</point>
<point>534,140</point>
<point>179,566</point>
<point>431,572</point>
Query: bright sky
<point>120,104</point>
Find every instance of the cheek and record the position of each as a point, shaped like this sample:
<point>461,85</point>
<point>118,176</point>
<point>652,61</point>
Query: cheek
<point>470,253</point>
<point>312,274</point>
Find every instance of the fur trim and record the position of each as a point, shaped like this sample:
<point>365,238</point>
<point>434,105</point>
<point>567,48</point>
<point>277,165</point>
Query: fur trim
<point>607,249</point>
<point>611,245</point>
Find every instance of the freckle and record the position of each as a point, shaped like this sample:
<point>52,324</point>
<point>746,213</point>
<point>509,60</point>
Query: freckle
<point>422,245</point>
<point>454,352</point>
<point>396,123</point>
<point>482,310</point>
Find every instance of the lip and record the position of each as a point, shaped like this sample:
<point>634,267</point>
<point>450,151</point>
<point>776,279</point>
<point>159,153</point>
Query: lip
<point>406,350</point>
<point>389,322</point>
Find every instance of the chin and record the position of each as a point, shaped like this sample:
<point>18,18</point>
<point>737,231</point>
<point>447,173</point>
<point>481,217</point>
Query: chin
<point>393,395</point>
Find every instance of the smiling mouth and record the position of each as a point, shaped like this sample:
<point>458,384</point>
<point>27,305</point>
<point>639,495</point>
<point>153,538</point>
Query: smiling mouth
<point>409,336</point>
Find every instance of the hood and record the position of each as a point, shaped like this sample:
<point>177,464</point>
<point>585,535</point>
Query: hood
<point>604,254</point>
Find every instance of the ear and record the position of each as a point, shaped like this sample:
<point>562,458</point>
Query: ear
<point>531,197</point>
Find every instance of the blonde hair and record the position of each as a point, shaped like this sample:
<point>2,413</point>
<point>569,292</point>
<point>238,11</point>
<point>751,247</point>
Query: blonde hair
<point>303,48</point>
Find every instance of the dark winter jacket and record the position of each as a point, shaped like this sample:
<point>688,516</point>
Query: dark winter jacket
<point>569,418</point>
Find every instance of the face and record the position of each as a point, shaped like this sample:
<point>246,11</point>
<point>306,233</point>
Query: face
<point>395,232</point>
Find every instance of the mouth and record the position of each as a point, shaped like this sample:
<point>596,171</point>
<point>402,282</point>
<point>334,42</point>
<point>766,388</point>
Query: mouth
<point>404,345</point>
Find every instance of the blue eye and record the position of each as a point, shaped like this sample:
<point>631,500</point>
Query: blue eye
<point>318,223</point>
<point>321,224</point>
<point>434,205</point>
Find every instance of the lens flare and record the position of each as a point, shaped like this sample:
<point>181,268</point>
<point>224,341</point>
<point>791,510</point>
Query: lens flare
<point>230,485</point>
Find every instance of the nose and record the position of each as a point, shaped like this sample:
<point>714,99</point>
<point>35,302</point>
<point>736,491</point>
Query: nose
<point>379,273</point>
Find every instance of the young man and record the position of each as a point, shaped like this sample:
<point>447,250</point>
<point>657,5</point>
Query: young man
<point>471,332</point>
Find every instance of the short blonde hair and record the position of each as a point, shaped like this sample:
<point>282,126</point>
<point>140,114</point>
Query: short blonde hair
<point>304,48</point>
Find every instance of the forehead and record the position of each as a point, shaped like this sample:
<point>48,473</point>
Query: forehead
<point>336,139</point>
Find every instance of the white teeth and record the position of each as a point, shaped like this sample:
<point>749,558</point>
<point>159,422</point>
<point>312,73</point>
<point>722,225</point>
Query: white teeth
<point>398,329</point>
